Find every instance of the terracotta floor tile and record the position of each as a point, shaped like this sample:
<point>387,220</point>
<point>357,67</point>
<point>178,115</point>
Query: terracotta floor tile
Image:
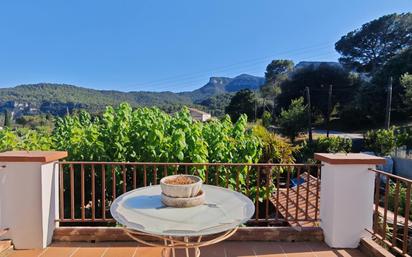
<point>182,253</point>
<point>349,253</point>
<point>217,250</point>
<point>27,253</point>
<point>268,249</point>
<point>144,251</point>
<point>329,253</point>
<point>326,253</point>
<point>223,249</point>
<point>339,253</point>
<point>321,249</point>
<point>124,244</point>
<point>57,251</point>
<point>239,249</point>
<point>317,246</point>
<point>296,249</point>
<point>302,254</point>
<point>120,252</point>
<point>90,252</point>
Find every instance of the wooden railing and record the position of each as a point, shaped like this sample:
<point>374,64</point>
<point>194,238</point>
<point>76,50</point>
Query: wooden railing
<point>284,194</point>
<point>392,223</point>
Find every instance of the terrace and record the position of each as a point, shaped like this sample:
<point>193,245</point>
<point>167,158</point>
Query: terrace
<point>229,249</point>
<point>64,207</point>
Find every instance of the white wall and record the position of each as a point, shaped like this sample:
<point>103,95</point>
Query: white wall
<point>28,203</point>
<point>346,203</point>
<point>50,200</point>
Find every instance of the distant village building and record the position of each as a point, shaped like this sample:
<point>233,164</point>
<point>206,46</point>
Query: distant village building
<point>199,115</point>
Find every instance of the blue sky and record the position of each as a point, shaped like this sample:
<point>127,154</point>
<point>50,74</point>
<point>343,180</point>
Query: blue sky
<point>169,45</point>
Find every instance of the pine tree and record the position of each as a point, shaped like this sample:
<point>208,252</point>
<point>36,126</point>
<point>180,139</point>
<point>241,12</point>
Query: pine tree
<point>7,119</point>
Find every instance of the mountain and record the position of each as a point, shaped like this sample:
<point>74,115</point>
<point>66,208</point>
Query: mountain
<point>222,85</point>
<point>58,98</point>
<point>215,86</point>
<point>244,81</point>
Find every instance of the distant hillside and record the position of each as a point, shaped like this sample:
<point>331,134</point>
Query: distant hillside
<point>58,98</point>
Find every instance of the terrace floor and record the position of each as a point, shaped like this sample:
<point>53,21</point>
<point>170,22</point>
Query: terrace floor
<point>225,249</point>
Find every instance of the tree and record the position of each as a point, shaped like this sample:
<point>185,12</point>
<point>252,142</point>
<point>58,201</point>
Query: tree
<point>217,104</point>
<point>243,102</point>
<point>34,121</point>
<point>372,45</point>
<point>292,121</point>
<point>318,78</point>
<point>406,82</point>
<point>278,69</point>
<point>374,94</point>
<point>7,119</point>
<point>276,72</point>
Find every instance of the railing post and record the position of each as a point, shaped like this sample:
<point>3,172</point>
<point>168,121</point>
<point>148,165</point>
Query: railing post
<point>29,196</point>
<point>346,197</point>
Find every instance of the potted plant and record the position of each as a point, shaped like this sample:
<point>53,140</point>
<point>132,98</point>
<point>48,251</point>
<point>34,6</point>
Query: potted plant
<point>182,191</point>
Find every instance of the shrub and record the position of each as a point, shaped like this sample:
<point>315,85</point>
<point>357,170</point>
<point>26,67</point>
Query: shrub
<point>404,137</point>
<point>382,141</point>
<point>293,120</point>
<point>274,148</point>
<point>333,145</point>
<point>266,119</point>
<point>31,140</point>
<point>8,140</point>
<point>151,135</point>
<point>323,145</point>
<point>24,139</point>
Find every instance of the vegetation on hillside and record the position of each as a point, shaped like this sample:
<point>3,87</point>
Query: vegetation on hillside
<point>58,98</point>
<point>217,104</point>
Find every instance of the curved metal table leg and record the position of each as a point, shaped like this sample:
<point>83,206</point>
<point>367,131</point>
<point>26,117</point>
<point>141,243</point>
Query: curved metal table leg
<point>170,244</point>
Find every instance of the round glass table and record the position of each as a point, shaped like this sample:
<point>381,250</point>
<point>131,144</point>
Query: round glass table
<point>148,221</point>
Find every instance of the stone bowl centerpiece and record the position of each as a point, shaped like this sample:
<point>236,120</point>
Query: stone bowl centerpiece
<point>182,191</point>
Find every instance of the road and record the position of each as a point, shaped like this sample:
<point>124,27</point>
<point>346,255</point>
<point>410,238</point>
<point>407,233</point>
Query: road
<point>338,134</point>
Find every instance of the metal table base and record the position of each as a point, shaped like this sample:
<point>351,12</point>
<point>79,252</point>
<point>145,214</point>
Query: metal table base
<point>170,244</point>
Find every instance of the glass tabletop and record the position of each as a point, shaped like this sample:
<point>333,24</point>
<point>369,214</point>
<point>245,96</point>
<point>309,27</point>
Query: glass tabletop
<point>142,210</point>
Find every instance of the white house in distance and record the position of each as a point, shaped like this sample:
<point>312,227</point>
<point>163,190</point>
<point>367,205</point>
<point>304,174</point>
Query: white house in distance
<point>199,115</point>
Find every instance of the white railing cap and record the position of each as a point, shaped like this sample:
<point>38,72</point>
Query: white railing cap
<point>349,158</point>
